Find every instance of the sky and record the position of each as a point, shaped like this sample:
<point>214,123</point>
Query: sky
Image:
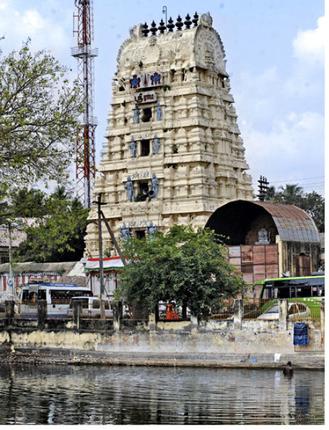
<point>275,59</point>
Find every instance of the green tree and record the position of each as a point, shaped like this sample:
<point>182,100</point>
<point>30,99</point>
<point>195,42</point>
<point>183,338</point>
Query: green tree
<point>39,110</point>
<point>183,265</point>
<point>291,194</point>
<point>58,235</point>
<point>28,203</point>
<point>313,204</point>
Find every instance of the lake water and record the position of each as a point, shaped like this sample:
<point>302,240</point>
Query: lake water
<point>153,395</point>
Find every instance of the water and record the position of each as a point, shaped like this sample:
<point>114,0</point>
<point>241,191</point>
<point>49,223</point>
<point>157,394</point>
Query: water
<point>153,395</point>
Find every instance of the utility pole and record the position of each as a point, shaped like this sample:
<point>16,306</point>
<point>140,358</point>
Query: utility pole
<point>10,255</point>
<point>262,188</point>
<point>100,255</point>
<point>5,220</point>
<point>101,217</point>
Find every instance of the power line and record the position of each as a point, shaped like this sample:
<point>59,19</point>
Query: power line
<point>296,180</point>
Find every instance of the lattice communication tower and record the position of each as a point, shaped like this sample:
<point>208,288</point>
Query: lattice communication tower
<point>83,29</point>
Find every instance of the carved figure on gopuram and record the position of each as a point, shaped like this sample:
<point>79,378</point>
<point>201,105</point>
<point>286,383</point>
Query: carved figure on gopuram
<point>130,189</point>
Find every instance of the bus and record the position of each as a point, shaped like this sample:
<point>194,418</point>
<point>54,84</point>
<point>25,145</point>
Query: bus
<point>57,295</point>
<point>293,287</point>
<point>308,290</point>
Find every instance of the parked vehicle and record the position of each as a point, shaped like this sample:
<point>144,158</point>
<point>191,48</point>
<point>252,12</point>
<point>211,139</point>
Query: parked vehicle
<point>295,310</point>
<point>91,306</point>
<point>291,287</point>
<point>57,296</point>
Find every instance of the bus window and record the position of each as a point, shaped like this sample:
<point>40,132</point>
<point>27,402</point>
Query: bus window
<point>29,297</point>
<point>96,304</point>
<point>304,291</point>
<point>59,297</point>
<point>292,292</point>
<point>283,292</point>
<point>269,292</point>
<point>64,296</point>
<point>25,296</point>
<point>42,295</point>
<point>293,287</point>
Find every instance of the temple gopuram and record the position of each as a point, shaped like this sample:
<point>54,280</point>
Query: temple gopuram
<point>173,151</point>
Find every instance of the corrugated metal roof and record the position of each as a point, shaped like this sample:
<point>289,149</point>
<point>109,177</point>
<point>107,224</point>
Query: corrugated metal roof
<point>293,223</point>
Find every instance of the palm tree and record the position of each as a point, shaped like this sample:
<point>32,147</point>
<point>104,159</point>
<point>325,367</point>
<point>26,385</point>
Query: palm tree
<point>271,193</point>
<point>290,194</point>
<point>60,193</point>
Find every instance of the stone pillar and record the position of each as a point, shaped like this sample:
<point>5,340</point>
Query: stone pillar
<point>184,311</point>
<point>42,313</point>
<point>283,314</point>
<point>77,313</point>
<point>117,316</point>
<point>194,323</point>
<point>152,323</point>
<point>322,321</point>
<point>238,314</point>
<point>9,311</point>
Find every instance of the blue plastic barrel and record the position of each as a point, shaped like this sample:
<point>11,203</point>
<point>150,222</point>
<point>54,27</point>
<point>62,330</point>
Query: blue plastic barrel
<point>300,334</point>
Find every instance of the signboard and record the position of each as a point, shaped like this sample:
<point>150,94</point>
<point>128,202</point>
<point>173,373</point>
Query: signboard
<point>147,97</point>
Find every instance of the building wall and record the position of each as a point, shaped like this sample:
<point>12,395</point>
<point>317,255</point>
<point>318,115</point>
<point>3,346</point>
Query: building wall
<point>291,251</point>
<point>255,262</point>
<point>195,153</point>
<point>110,282</point>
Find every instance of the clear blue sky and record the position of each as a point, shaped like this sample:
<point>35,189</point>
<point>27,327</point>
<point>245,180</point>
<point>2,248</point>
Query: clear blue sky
<point>274,51</point>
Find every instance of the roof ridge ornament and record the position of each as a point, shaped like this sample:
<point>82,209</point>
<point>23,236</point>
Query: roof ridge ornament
<point>188,22</point>
<point>170,25</point>
<point>162,27</point>
<point>195,19</point>
<point>145,29</point>
<point>153,28</point>
<point>179,23</point>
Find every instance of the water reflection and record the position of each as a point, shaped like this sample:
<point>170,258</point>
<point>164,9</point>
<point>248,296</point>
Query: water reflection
<point>136,395</point>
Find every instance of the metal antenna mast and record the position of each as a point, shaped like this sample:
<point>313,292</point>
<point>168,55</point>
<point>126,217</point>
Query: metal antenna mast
<point>83,29</point>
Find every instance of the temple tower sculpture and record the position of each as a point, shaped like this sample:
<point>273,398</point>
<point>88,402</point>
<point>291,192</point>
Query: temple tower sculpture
<point>173,153</point>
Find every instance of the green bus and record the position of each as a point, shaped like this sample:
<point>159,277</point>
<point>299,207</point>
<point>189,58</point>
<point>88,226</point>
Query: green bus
<point>302,289</point>
<point>293,287</point>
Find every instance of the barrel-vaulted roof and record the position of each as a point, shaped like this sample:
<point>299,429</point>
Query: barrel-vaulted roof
<point>293,224</point>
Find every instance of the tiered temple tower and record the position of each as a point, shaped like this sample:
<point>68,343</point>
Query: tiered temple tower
<point>173,153</point>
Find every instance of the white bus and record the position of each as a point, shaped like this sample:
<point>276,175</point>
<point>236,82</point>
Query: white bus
<point>57,295</point>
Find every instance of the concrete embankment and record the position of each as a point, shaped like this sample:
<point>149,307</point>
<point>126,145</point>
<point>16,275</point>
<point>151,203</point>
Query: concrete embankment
<point>254,345</point>
<point>312,361</point>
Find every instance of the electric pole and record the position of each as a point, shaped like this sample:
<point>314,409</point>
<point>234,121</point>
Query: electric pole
<point>262,188</point>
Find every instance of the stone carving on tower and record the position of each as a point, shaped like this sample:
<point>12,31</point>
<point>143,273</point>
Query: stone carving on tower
<point>174,152</point>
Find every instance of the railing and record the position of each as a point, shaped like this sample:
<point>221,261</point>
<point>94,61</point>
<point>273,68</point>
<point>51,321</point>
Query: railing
<point>308,310</point>
<point>256,307</point>
<point>222,316</point>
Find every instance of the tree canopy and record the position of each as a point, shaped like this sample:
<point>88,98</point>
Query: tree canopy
<point>39,110</point>
<point>58,232</point>
<point>187,266</point>
<point>312,203</point>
